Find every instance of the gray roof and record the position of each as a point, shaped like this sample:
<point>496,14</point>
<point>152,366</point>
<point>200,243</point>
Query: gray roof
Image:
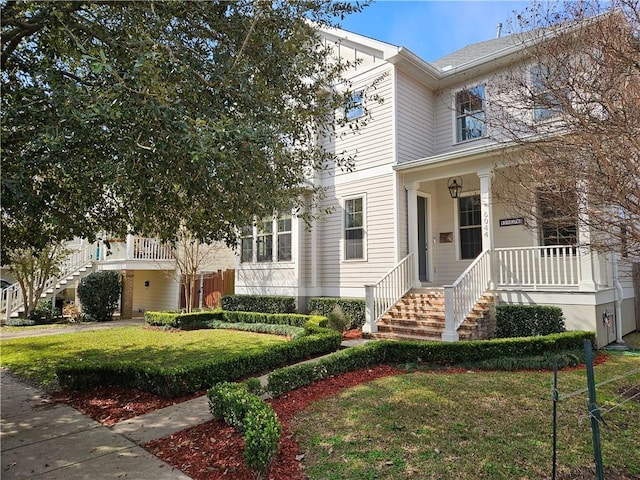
<point>476,50</point>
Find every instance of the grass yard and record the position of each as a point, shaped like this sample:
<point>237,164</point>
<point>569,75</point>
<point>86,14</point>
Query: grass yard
<point>36,358</point>
<point>489,425</point>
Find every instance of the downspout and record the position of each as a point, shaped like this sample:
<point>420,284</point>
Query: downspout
<point>618,295</point>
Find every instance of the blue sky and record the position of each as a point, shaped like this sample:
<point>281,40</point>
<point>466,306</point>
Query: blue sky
<point>431,28</point>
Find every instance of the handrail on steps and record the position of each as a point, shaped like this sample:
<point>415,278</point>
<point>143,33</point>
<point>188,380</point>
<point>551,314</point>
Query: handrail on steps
<point>381,296</point>
<point>464,293</point>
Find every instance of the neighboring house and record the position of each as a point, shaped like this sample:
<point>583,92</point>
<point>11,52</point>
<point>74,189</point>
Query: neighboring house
<point>395,228</point>
<point>149,271</point>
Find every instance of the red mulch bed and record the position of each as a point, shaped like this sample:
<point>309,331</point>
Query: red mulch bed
<point>214,450</point>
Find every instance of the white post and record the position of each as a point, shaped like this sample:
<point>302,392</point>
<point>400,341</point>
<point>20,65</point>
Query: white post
<point>450,333</point>
<point>486,213</point>
<point>9,303</point>
<point>585,255</point>
<point>370,321</point>
<point>129,247</point>
<point>412,214</point>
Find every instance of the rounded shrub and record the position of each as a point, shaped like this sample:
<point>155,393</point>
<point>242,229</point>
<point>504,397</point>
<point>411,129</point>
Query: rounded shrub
<point>99,294</point>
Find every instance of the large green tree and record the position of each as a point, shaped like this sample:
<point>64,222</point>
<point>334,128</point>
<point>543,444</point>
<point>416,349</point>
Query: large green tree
<point>148,117</point>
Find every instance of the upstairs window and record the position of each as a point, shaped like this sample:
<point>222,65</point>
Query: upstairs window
<point>284,238</point>
<point>470,226</point>
<point>557,212</point>
<point>545,102</point>
<point>354,228</point>
<point>470,105</point>
<point>355,107</point>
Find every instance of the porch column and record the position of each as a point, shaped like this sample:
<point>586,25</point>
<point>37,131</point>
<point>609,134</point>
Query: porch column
<point>412,218</point>
<point>586,257</point>
<point>486,212</point>
<point>126,302</point>
<point>129,247</point>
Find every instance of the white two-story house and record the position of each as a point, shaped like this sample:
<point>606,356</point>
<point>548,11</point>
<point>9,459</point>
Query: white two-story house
<point>418,217</point>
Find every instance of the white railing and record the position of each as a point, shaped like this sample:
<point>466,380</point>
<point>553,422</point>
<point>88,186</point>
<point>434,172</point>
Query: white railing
<point>11,297</point>
<point>537,267</point>
<point>151,249</point>
<point>379,298</point>
<point>462,296</point>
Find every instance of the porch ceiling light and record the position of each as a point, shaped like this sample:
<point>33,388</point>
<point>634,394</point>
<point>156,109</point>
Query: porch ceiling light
<point>454,184</point>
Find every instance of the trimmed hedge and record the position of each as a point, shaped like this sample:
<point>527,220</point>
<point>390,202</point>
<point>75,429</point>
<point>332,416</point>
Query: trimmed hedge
<point>395,352</point>
<point>353,307</point>
<point>232,403</point>
<point>172,381</point>
<point>190,321</point>
<point>258,303</point>
<point>528,320</point>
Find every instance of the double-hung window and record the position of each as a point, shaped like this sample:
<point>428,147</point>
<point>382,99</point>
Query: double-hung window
<point>265,240</point>
<point>470,105</point>
<point>557,216</point>
<point>284,238</point>
<point>470,226</point>
<point>545,102</point>
<point>246,244</point>
<point>354,228</point>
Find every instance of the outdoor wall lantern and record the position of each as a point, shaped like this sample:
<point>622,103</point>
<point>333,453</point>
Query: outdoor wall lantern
<point>454,184</point>
<point>146,284</point>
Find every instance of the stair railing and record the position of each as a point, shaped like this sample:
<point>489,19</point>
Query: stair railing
<point>384,294</point>
<point>462,296</point>
<point>11,298</point>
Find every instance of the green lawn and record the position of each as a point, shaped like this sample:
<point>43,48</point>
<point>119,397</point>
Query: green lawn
<point>491,425</point>
<point>36,358</point>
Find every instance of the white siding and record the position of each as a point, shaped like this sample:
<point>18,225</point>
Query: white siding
<point>160,295</point>
<point>415,119</point>
<point>266,279</point>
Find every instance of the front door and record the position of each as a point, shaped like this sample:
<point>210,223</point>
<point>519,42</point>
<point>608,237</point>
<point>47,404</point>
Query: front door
<point>423,240</point>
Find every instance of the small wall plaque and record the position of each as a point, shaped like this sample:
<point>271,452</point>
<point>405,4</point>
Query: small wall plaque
<point>509,222</point>
<point>446,237</point>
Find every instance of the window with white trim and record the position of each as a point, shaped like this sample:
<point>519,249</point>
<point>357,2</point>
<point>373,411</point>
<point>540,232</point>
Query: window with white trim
<point>284,238</point>
<point>271,240</point>
<point>545,103</point>
<point>557,216</point>
<point>470,105</point>
<point>355,107</point>
<point>469,226</point>
<point>354,228</point>
<point>264,240</point>
<point>246,244</point>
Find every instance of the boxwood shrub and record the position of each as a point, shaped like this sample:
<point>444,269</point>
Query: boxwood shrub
<point>170,381</point>
<point>398,352</point>
<point>528,320</point>
<point>353,307</point>
<point>258,303</point>
<point>256,420</point>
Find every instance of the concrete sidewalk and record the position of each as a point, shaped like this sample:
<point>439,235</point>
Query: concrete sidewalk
<point>46,441</point>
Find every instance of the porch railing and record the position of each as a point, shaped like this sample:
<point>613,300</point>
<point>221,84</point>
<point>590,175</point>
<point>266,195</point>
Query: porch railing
<point>462,296</point>
<point>380,297</point>
<point>151,249</point>
<point>537,267</point>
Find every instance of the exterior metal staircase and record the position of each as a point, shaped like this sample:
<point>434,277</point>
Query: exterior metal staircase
<point>419,315</point>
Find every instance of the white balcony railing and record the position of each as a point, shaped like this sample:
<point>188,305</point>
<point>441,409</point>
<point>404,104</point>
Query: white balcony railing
<point>462,296</point>
<point>151,249</point>
<point>379,298</point>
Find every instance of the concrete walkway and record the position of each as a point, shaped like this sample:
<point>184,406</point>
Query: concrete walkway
<point>46,441</point>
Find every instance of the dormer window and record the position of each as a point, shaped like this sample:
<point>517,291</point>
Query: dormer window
<point>470,114</point>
